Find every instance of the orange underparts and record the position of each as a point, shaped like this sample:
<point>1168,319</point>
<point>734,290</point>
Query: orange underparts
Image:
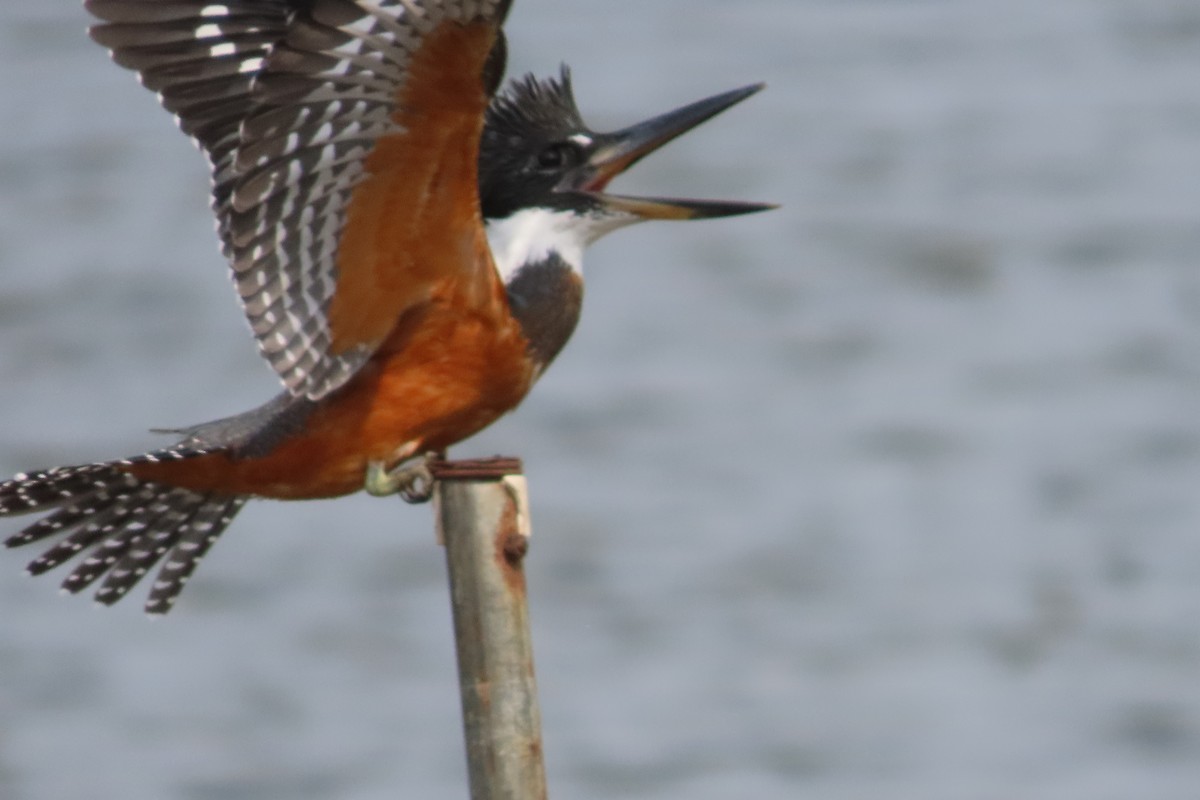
<point>442,377</point>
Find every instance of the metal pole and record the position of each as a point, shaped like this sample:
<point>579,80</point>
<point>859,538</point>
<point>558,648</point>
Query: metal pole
<point>484,525</point>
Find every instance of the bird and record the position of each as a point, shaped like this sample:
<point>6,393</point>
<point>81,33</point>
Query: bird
<point>405,234</point>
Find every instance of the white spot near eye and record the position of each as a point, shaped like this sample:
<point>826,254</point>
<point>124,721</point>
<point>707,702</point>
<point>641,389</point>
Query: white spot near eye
<point>581,139</point>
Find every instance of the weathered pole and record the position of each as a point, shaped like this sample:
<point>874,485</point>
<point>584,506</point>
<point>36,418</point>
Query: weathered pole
<point>484,524</point>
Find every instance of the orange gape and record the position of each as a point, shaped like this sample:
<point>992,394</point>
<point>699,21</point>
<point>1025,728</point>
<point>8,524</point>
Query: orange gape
<point>415,280</point>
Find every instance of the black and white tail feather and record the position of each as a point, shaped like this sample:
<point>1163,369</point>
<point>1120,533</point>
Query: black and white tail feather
<point>124,524</point>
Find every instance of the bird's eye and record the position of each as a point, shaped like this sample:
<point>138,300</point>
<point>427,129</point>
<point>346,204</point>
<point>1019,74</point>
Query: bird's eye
<point>558,155</point>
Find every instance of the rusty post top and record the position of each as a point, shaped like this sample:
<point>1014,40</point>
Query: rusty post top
<point>475,469</point>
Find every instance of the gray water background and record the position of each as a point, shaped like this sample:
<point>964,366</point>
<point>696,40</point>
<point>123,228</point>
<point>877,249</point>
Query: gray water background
<point>891,493</point>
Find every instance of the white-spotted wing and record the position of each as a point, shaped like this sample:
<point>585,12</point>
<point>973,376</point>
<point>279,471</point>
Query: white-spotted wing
<point>288,99</point>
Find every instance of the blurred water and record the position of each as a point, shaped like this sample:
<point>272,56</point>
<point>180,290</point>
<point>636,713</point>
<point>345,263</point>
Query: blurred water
<point>891,492</point>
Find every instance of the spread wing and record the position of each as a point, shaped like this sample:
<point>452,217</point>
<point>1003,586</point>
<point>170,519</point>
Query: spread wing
<point>342,137</point>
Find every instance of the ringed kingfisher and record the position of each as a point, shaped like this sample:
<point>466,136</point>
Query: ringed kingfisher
<point>405,237</point>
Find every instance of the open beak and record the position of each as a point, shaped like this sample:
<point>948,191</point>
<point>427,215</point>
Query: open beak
<point>618,151</point>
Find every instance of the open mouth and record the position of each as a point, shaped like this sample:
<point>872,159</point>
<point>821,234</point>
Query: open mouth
<point>618,151</point>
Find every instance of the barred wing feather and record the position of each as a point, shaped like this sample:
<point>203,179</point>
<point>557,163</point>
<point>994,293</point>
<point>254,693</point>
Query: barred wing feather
<point>292,102</point>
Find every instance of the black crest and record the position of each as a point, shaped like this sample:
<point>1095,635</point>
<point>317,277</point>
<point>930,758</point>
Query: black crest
<point>529,106</point>
<point>530,117</point>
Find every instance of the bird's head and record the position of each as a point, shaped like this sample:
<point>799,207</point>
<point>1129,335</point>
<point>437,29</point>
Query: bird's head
<point>543,173</point>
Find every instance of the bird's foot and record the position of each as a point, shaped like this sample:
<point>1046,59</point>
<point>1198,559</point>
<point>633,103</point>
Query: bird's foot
<point>415,482</point>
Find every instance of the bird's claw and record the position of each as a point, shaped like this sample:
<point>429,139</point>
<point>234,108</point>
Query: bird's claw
<point>414,483</point>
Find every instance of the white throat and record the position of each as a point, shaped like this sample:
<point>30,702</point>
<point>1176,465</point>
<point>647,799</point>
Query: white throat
<point>532,234</point>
